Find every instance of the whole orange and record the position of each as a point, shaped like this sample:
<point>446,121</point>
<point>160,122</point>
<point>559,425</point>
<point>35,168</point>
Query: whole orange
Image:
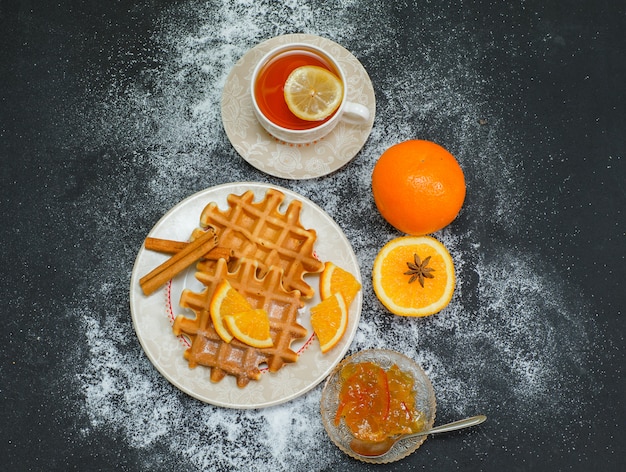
<point>418,187</point>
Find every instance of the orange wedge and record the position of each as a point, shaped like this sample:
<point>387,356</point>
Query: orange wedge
<point>313,93</point>
<point>329,319</point>
<point>414,276</point>
<point>251,327</point>
<point>335,279</point>
<point>226,301</point>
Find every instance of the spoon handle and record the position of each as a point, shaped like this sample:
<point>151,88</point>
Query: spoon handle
<point>465,423</point>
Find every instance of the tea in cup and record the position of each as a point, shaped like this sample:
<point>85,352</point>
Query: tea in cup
<point>268,96</point>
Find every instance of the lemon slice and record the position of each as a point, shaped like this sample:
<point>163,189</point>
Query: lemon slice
<point>313,93</point>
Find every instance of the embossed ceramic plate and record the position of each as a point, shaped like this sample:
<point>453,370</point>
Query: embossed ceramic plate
<point>292,161</point>
<point>153,315</point>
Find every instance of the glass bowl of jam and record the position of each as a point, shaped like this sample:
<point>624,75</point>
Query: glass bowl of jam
<point>376,394</point>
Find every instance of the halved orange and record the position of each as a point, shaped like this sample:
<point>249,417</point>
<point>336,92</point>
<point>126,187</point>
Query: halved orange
<point>226,301</point>
<point>251,327</point>
<point>414,276</point>
<point>329,319</point>
<point>313,93</point>
<point>335,279</point>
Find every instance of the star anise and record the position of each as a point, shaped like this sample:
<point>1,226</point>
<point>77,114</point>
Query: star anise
<point>419,270</point>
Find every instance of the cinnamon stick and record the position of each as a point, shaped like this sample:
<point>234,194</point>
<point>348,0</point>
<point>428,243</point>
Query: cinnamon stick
<point>179,261</point>
<point>219,252</point>
<point>164,245</point>
<point>169,246</point>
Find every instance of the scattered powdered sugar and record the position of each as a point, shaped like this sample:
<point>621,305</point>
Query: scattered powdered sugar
<point>508,328</point>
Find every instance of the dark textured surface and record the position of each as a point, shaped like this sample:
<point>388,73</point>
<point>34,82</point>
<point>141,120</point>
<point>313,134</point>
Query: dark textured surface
<point>109,116</point>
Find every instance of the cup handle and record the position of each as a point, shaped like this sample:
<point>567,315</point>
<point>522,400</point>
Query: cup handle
<point>355,113</point>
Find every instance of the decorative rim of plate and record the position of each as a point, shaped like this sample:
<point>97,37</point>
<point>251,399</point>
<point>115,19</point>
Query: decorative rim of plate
<point>340,435</point>
<point>152,322</point>
<point>293,161</point>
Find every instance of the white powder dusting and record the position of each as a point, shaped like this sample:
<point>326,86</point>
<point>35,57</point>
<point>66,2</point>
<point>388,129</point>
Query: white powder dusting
<point>508,326</point>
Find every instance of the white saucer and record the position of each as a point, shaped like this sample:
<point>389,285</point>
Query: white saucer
<point>293,161</point>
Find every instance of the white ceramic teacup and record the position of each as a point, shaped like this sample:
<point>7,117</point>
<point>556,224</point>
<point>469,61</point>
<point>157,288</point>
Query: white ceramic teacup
<point>314,131</point>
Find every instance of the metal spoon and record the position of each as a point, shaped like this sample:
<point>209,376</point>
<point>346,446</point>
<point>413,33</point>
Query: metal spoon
<point>380,448</point>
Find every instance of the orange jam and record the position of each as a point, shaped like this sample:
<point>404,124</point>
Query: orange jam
<point>376,403</point>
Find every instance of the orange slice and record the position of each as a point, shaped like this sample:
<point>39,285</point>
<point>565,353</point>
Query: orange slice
<point>313,93</point>
<point>414,276</point>
<point>335,279</point>
<point>251,327</point>
<point>226,301</point>
<point>329,319</point>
